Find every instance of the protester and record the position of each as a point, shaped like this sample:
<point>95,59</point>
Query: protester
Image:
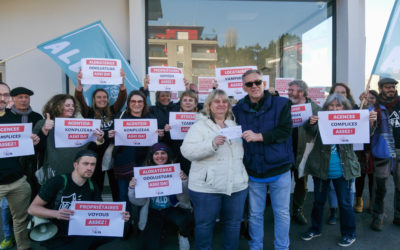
<point>6,219</point>
<point>13,184</point>
<point>156,211</point>
<point>337,164</point>
<point>187,103</point>
<point>343,89</point>
<point>217,178</point>
<point>59,160</point>
<point>55,198</point>
<point>298,91</point>
<point>385,146</point>
<point>267,124</point>
<point>101,109</point>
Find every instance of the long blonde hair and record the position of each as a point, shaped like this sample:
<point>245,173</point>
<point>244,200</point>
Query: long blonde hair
<point>211,97</point>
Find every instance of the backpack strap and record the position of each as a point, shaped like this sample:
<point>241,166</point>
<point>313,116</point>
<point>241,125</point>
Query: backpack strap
<point>91,185</point>
<point>65,181</point>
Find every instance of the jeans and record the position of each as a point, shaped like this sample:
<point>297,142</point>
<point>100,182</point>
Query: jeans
<point>207,207</point>
<point>6,218</point>
<point>123,186</point>
<point>332,199</point>
<point>343,191</point>
<point>280,201</point>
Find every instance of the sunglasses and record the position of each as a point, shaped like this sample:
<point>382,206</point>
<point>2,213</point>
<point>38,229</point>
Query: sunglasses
<point>256,82</point>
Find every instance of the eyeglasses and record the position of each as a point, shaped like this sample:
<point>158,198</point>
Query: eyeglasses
<point>6,95</point>
<point>250,84</point>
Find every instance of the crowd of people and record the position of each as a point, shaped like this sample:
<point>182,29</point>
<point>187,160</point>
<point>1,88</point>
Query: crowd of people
<point>226,180</point>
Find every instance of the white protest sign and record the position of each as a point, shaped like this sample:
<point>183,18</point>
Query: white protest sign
<point>15,140</point>
<point>97,218</point>
<point>180,123</point>
<point>74,132</point>
<point>358,147</point>
<point>135,132</point>
<point>158,180</point>
<point>344,127</point>
<point>205,87</point>
<point>300,114</point>
<point>266,80</point>
<point>103,71</point>
<point>230,80</point>
<point>317,94</point>
<point>232,132</point>
<point>166,79</point>
<point>282,86</point>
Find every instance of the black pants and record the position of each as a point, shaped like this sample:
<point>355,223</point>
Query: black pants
<point>300,190</point>
<point>76,242</point>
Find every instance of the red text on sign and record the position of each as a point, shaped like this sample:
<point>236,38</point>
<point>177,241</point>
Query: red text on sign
<point>344,131</point>
<point>97,222</point>
<point>156,184</point>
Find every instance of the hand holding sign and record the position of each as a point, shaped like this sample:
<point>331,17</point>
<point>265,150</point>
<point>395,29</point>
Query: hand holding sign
<point>219,140</point>
<point>63,214</point>
<point>35,138</point>
<point>48,124</point>
<point>373,115</point>
<point>313,119</point>
<point>111,133</point>
<point>250,136</point>
<point>99,134</point>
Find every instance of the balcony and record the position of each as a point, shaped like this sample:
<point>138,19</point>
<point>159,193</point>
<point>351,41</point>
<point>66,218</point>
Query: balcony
<point>203,72</point>
<point>203,56</point>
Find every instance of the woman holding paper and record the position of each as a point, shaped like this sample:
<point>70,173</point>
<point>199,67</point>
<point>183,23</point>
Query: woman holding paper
<point>158,210</point>
<point>102,110</point>
<point>336,163</point>
<point>217,179</point>
<point>60,160</point>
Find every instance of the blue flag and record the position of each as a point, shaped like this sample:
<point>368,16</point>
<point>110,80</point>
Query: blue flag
<point>92,41</point>
<point>387,63</point>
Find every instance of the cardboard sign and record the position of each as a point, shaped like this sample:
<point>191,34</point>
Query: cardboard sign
<point>282,86</point>
<point>166,79</point>
<point>344,127</point>
<point>102,71</point>
<point>97,218</point>
<point>74,132</point>
<point>157,180</point>
<point>317,94</point>
<point>15,140</point>
<point>180,123</point>
<point>230,80</point>
<point>135,132</point>
<point>205,87</point>
<point>232,132</point>
<point>300,114</point>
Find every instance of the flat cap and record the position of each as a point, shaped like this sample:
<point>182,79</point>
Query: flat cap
<point>21,90</point>
<point>385,81</point>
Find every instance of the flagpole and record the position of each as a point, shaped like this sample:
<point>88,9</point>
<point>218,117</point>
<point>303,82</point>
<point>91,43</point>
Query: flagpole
<point>17,55</point>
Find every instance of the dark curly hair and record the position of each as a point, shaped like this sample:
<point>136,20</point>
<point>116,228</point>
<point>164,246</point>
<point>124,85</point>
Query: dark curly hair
<point>55,106</point>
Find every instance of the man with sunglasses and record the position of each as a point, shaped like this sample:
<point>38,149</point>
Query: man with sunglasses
<point>267,125</point>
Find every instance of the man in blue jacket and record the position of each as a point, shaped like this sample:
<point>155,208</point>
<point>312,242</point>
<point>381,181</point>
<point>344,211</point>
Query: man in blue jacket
<point>268,156</point>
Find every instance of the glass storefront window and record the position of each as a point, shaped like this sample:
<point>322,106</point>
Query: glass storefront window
<point>284,39</point>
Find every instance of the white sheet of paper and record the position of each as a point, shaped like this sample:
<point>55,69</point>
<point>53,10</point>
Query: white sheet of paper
<point>15,140</point>
<point>180,123</point>
<point>232,132</point>
<point>158,180</point>
<point>97,218</point>
<point>135,132</point>
<point>300,114</point>
<point>358,147</point>
<point>102,71</point>
<point>230,80</point>
<point>74,132</point>
<point>282,86</point>
<point>344,127</point>
<point>166,79</point>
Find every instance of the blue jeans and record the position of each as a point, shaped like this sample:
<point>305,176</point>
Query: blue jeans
<point>6,218</point>
<point>123,194</point>
<point>332,199</point>
<point>343,191</point>
<point>280,200</point>
<point>207,207</point>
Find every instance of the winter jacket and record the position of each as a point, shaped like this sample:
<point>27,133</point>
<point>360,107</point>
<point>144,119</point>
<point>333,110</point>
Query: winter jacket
<point>215,169</point>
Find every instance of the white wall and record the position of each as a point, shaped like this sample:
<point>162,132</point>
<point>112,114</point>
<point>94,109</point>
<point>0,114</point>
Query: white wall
<point>25,24</point>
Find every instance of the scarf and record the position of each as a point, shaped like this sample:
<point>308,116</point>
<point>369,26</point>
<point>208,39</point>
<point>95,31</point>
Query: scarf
<point>24,114</point>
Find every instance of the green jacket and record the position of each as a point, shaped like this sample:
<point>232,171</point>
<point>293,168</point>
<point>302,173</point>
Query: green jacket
<point>318,161</point>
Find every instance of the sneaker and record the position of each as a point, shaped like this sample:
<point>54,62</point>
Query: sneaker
<point>377,224</point>
<point>309,235</point>
<point>183,242</point>
<point>299,217</point>
<point>7,244</point>
<point>346,241</point>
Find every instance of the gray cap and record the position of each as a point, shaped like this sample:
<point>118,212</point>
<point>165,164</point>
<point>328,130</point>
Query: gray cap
<point>386,81</point>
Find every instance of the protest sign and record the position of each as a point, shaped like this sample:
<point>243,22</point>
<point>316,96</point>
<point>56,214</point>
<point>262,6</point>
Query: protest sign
<point>180,123</point>
<point>358,147</point>
<point>135,132</point>
<point>166,79</point>
<point>282,86</point>
<point>97,218</point>
<point>205,87</point>
<point>300,114</point>
<point>266,80</point>
<point>232,132</point>
<point>230,80</point>
<point>344,127</point>
<point>160,180</point>
<point>15,140</point>
<point>74,132</point>
<point>317,94</point>
<point>101,71</point>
